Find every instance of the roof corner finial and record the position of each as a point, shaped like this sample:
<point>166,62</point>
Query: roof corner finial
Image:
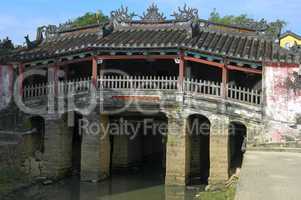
<point>122,14</point>
<point>33,44</point>
<point>186,14</point>
<point>29,43</point>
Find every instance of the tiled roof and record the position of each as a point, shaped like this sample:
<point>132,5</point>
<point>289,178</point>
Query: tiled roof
<point>287,33</point>
<point>163,35</point>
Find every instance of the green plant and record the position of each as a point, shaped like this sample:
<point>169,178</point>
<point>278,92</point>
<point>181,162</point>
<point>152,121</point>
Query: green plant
<point>89,18</point>
<point>226,194</point>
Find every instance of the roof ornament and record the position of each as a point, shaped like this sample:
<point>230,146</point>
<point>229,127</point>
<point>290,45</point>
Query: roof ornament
<point>186,14</point>
<point>30,44</point>
<point>65,27</point>
<point>51,30</point>
<point>258,26</point>
<point>122,15</point>
<point>153,14</point>
<point>39,38</point>
<point>6,44</point>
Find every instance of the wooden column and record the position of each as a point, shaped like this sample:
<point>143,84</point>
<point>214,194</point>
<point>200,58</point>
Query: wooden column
<point>225,81</point>
<point>94,70</point>
<point>21,78</point>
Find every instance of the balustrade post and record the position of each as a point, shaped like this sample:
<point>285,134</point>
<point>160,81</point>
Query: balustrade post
<point>225,82</point>
<point>94,71</point>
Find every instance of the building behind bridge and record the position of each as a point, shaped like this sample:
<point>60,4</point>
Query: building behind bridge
<point>235,82</point>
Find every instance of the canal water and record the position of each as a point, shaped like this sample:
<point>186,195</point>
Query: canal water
<point>132,185</point>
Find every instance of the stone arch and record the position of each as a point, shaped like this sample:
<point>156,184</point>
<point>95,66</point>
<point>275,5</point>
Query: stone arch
<point>237,145</point>
<point>198,128</point>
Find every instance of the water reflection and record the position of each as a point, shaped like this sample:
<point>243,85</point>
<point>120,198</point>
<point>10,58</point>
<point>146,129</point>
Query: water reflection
<point>145,185</point>
<point>117,188</point>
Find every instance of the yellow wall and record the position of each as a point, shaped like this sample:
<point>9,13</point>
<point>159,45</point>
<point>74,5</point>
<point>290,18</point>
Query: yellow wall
<point>290,39</point>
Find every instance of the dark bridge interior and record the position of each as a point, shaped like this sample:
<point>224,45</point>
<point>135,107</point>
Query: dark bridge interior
<point>199,130</point>
<point>138,145</point>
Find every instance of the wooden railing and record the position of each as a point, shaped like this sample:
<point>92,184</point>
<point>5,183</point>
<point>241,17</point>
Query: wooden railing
<point>203,87</point>
<point>244,94</point>
<point>144,83</point>
<point>138,83</point>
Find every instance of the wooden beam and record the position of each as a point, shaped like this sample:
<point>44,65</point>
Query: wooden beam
<point>281,64</point>
<point>59,63</point>
<point>221,65</point>
<point>74,61</point>
<point>137,57</point>
<point>199,60</point>
<point>243,69</point>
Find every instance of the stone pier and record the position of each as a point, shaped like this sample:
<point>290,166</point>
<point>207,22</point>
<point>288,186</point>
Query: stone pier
<point>178,151</point>
<point>96,149</point>
<point>219,155</point>
<point>58,147</point>
<point>105,147</point>
<point>90,167</point>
